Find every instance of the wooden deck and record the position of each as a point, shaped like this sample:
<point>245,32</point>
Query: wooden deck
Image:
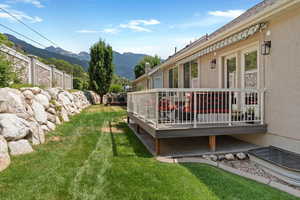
<point>169,131</point>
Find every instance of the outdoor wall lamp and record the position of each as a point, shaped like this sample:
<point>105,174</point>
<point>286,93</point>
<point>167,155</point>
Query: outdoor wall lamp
<point>213,64</point>
<point>266,48</point>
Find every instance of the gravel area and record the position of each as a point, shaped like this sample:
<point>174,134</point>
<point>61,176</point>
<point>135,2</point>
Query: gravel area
<point>254,169</point>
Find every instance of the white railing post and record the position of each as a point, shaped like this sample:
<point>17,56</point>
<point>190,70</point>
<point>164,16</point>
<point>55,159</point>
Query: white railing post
<point>230,108</point>
<point>262,108</point>
<point>195,109</point>
<point>157,108</point>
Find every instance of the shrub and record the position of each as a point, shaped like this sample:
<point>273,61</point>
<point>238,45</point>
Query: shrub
<point>116,88</point>
<point>6,72</point>
<point>80,83</point>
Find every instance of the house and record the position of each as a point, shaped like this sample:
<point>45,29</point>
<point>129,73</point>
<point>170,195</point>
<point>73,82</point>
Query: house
<point>242,80</point>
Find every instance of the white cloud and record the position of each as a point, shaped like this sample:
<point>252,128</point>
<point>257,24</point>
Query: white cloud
<point>106,30</point>
<point>228,13</point>
<point>36,3</point>
<point>139,25</point>
<point>110,30</point>
<point>87,31</point>
<point>210,19</point>
<point>18,14</point>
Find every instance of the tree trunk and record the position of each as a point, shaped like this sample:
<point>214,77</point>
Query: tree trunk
<point>101,98</point>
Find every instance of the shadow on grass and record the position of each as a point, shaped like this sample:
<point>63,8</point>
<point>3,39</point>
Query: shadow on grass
<point>229,186</point>
<point>113,141</point>
<point>138,148</point>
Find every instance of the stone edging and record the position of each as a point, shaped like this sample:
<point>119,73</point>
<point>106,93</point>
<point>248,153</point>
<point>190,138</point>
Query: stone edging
<point>259,179</point>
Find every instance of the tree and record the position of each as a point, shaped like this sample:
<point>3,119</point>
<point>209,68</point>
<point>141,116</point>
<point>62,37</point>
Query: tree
<point>101,67</point>
<point>139,69</point>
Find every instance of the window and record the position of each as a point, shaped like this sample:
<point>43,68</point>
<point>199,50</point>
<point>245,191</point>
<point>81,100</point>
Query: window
<point>251,73</point>
<point>186,75</point>
<point>231,73</point>
<point>171,80</point>
<point>173,77</point>
<point>251,61</point>
<point>194,69</point>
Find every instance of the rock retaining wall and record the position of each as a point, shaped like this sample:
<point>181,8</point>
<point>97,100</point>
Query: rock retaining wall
<point>26,115</point>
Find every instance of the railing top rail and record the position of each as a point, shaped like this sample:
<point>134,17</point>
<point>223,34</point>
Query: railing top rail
<point>198,90</point>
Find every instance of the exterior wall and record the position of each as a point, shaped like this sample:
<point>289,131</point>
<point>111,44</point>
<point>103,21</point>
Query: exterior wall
<point>282,81</point>
<point>34,72</point>
<point>279,74</point>
<point>140,85</point>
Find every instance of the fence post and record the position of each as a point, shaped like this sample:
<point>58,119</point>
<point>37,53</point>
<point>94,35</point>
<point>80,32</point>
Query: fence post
<point>52,75</point>
<point>157,108</point>
<point>195,110</point>
<point>230,108</point>
<point>33,70</point>
<point>262,107</point>
<point>64,81</point>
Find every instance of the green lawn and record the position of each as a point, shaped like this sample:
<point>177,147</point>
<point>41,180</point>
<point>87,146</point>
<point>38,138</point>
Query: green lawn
<point>86,161</point>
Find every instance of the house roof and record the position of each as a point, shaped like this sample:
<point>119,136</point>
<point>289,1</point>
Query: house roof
<point>255,10</point>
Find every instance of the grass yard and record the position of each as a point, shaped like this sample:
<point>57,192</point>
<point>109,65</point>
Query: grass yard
<point>83,160</point>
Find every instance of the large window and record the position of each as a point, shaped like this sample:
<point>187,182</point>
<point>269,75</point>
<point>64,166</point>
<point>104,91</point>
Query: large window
<point>251,61</point>
<point>186,75</point>
<point>231,73</point>
<point>173,77</point>
<point>194,69</point>
<point>251,73</point>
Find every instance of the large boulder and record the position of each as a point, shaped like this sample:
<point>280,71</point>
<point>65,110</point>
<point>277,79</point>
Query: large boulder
<point>34,90</point>
<point>11,101</point>
<point>53,92</point>
<point>51,118</point>
<point>39,112</point>
<point>51,126</point>
<point>13,127</point>
<point>28,94</point>
<point>19,147</point>
<point>4,156</point>
<point>42,99</point>
<point>64,115</point>
<point>37,133</point>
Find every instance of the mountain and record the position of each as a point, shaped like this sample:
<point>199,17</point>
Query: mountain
<point>43,53</point>
<point>124,63</point>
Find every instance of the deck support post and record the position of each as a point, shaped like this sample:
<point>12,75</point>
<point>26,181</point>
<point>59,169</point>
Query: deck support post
<point>157,146</point>
<point>128,120</point>
<point>212,143</point>
<point>138,129</point>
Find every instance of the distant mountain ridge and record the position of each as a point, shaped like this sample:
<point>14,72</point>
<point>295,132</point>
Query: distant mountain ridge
<point>124,63</point>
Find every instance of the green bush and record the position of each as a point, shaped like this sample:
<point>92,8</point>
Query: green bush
<point>6,72</point>
<point>80,83</point>
<point>116,88</point>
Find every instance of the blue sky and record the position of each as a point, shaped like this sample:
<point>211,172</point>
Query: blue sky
<point>139,26</point>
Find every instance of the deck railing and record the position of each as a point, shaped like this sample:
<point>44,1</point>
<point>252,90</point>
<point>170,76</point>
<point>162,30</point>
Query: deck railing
<point>197,106</point>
